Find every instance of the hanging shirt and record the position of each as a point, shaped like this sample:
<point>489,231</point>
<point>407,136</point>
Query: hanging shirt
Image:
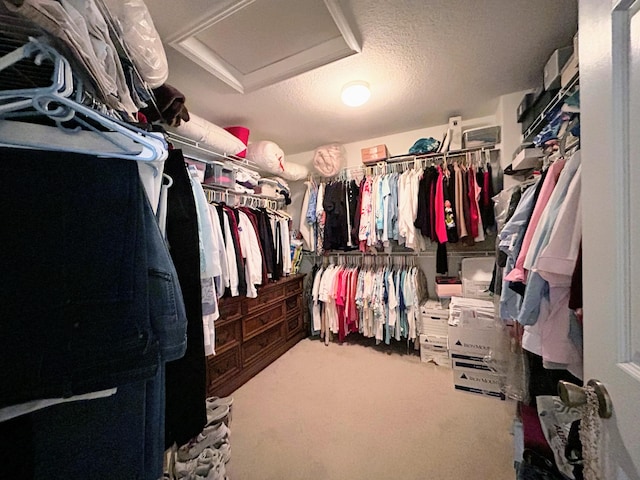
<point>365,214</point>
<point>306,230</point>
<point>251,251</point>
<point>316,319</point>
<point>441,227</point>
<point>460,213</point>
<point>518,273</point>
<point>230,254</point>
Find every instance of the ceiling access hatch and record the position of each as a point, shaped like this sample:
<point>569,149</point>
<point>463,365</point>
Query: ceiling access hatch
<point>249,44</point>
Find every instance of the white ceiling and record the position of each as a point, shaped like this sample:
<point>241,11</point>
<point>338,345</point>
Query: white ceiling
<point>425,61</point>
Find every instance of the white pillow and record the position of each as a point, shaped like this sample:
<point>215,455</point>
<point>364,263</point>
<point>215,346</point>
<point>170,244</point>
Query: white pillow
<point>213,136</point>
<point>268,156</point>
<point>293,172</point>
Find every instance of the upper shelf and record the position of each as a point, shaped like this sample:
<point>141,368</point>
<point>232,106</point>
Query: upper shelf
<point>535,127</point>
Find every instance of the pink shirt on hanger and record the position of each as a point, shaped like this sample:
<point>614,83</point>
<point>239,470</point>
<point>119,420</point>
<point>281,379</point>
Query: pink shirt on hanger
<point>519,274</point>
<point>441,226</point>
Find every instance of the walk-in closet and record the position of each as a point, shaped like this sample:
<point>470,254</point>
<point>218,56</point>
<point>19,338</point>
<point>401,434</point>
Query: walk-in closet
<point>319,239</point>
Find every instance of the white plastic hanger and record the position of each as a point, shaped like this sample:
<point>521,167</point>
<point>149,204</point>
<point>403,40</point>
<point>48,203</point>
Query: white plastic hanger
<point>95,133</point>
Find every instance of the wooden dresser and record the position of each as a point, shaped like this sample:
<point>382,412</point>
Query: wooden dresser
<point>253,332</point>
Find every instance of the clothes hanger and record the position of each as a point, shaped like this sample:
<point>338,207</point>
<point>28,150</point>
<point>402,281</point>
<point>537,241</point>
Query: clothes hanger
<point>113,139</point>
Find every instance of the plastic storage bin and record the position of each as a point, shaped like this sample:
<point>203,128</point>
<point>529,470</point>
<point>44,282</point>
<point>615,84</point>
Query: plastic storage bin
<point>218,173</point>
<point>480,137</point>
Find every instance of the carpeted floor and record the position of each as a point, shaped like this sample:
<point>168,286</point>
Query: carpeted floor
<point>351,412</point>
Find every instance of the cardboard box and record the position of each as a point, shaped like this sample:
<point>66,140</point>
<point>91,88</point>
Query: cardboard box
<point>448,287</point>
<point>374,154</point>
<point>473,341</point>
<point>433,321</point>
<point>554,66</point>
<point>536,110</point>
<point>570,71</point>
<point>470,362</point>
<point>525,105</point>
<point>479,382</point>
<point>527,158</point>
<point>433,348</point>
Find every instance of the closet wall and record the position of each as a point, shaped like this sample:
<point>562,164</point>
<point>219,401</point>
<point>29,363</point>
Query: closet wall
<point>400,143</point>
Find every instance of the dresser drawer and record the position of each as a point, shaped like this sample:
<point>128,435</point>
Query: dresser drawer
<point>294,323</point>
<point>228,334</point>
<point>230,308</point>
<point>261,345</point>
<point>292,303</point>
<point>257,324</point>
<point>268,295</point>
<point>222,367</point>
<point>293,287</point>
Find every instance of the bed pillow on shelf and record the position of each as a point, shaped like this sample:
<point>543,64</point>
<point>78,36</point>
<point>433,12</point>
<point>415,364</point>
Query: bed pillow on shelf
<point>269,157</point>
<point>328,159</point>
<point>216,138</point>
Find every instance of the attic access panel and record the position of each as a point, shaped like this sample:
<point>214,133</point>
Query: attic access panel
<point>249,44</point>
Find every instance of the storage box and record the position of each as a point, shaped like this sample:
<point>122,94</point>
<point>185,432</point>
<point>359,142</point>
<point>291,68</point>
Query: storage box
<point>527,157</point>
<point>470,362</point>
<point>554,66</point>
<point>217,173</point>
<point>536,110</point>
<point>479,382</point>
<point>374,154</point>
<point>472,341</point>
<point>525,105</point>
<point>480,137</point>
<point>431,324</point>
<point>433,348</point>
<point>448,287</point>
<point>476,277</point>
<point>570,71</point>
<point>267,187</point>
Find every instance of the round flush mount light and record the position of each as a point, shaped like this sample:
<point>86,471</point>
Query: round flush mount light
<point>355,94</point>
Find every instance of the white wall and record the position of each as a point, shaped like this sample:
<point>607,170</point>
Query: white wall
<point>506,116</point>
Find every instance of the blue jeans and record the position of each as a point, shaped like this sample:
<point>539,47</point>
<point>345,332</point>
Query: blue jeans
<point>75,303</point>
<point>97,283</point>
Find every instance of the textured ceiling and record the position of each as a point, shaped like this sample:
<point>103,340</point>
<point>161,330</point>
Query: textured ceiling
<point>425,61</point>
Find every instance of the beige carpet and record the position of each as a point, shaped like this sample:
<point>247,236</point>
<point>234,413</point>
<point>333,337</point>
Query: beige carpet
<point>351,412</point>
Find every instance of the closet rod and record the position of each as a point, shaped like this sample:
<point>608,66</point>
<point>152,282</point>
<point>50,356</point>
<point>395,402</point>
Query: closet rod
<point>441,155</point>
<point>272,203</point>
<point>391,164</point>
<point>455,254</point>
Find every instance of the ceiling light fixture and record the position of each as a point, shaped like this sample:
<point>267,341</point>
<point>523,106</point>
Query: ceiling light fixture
<point>355,94</point>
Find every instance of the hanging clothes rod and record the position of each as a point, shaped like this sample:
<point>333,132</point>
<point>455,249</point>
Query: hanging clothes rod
<point>405,162</point>
<point>426,254</point>
<point>441,155</point>
<point>232,197</point>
